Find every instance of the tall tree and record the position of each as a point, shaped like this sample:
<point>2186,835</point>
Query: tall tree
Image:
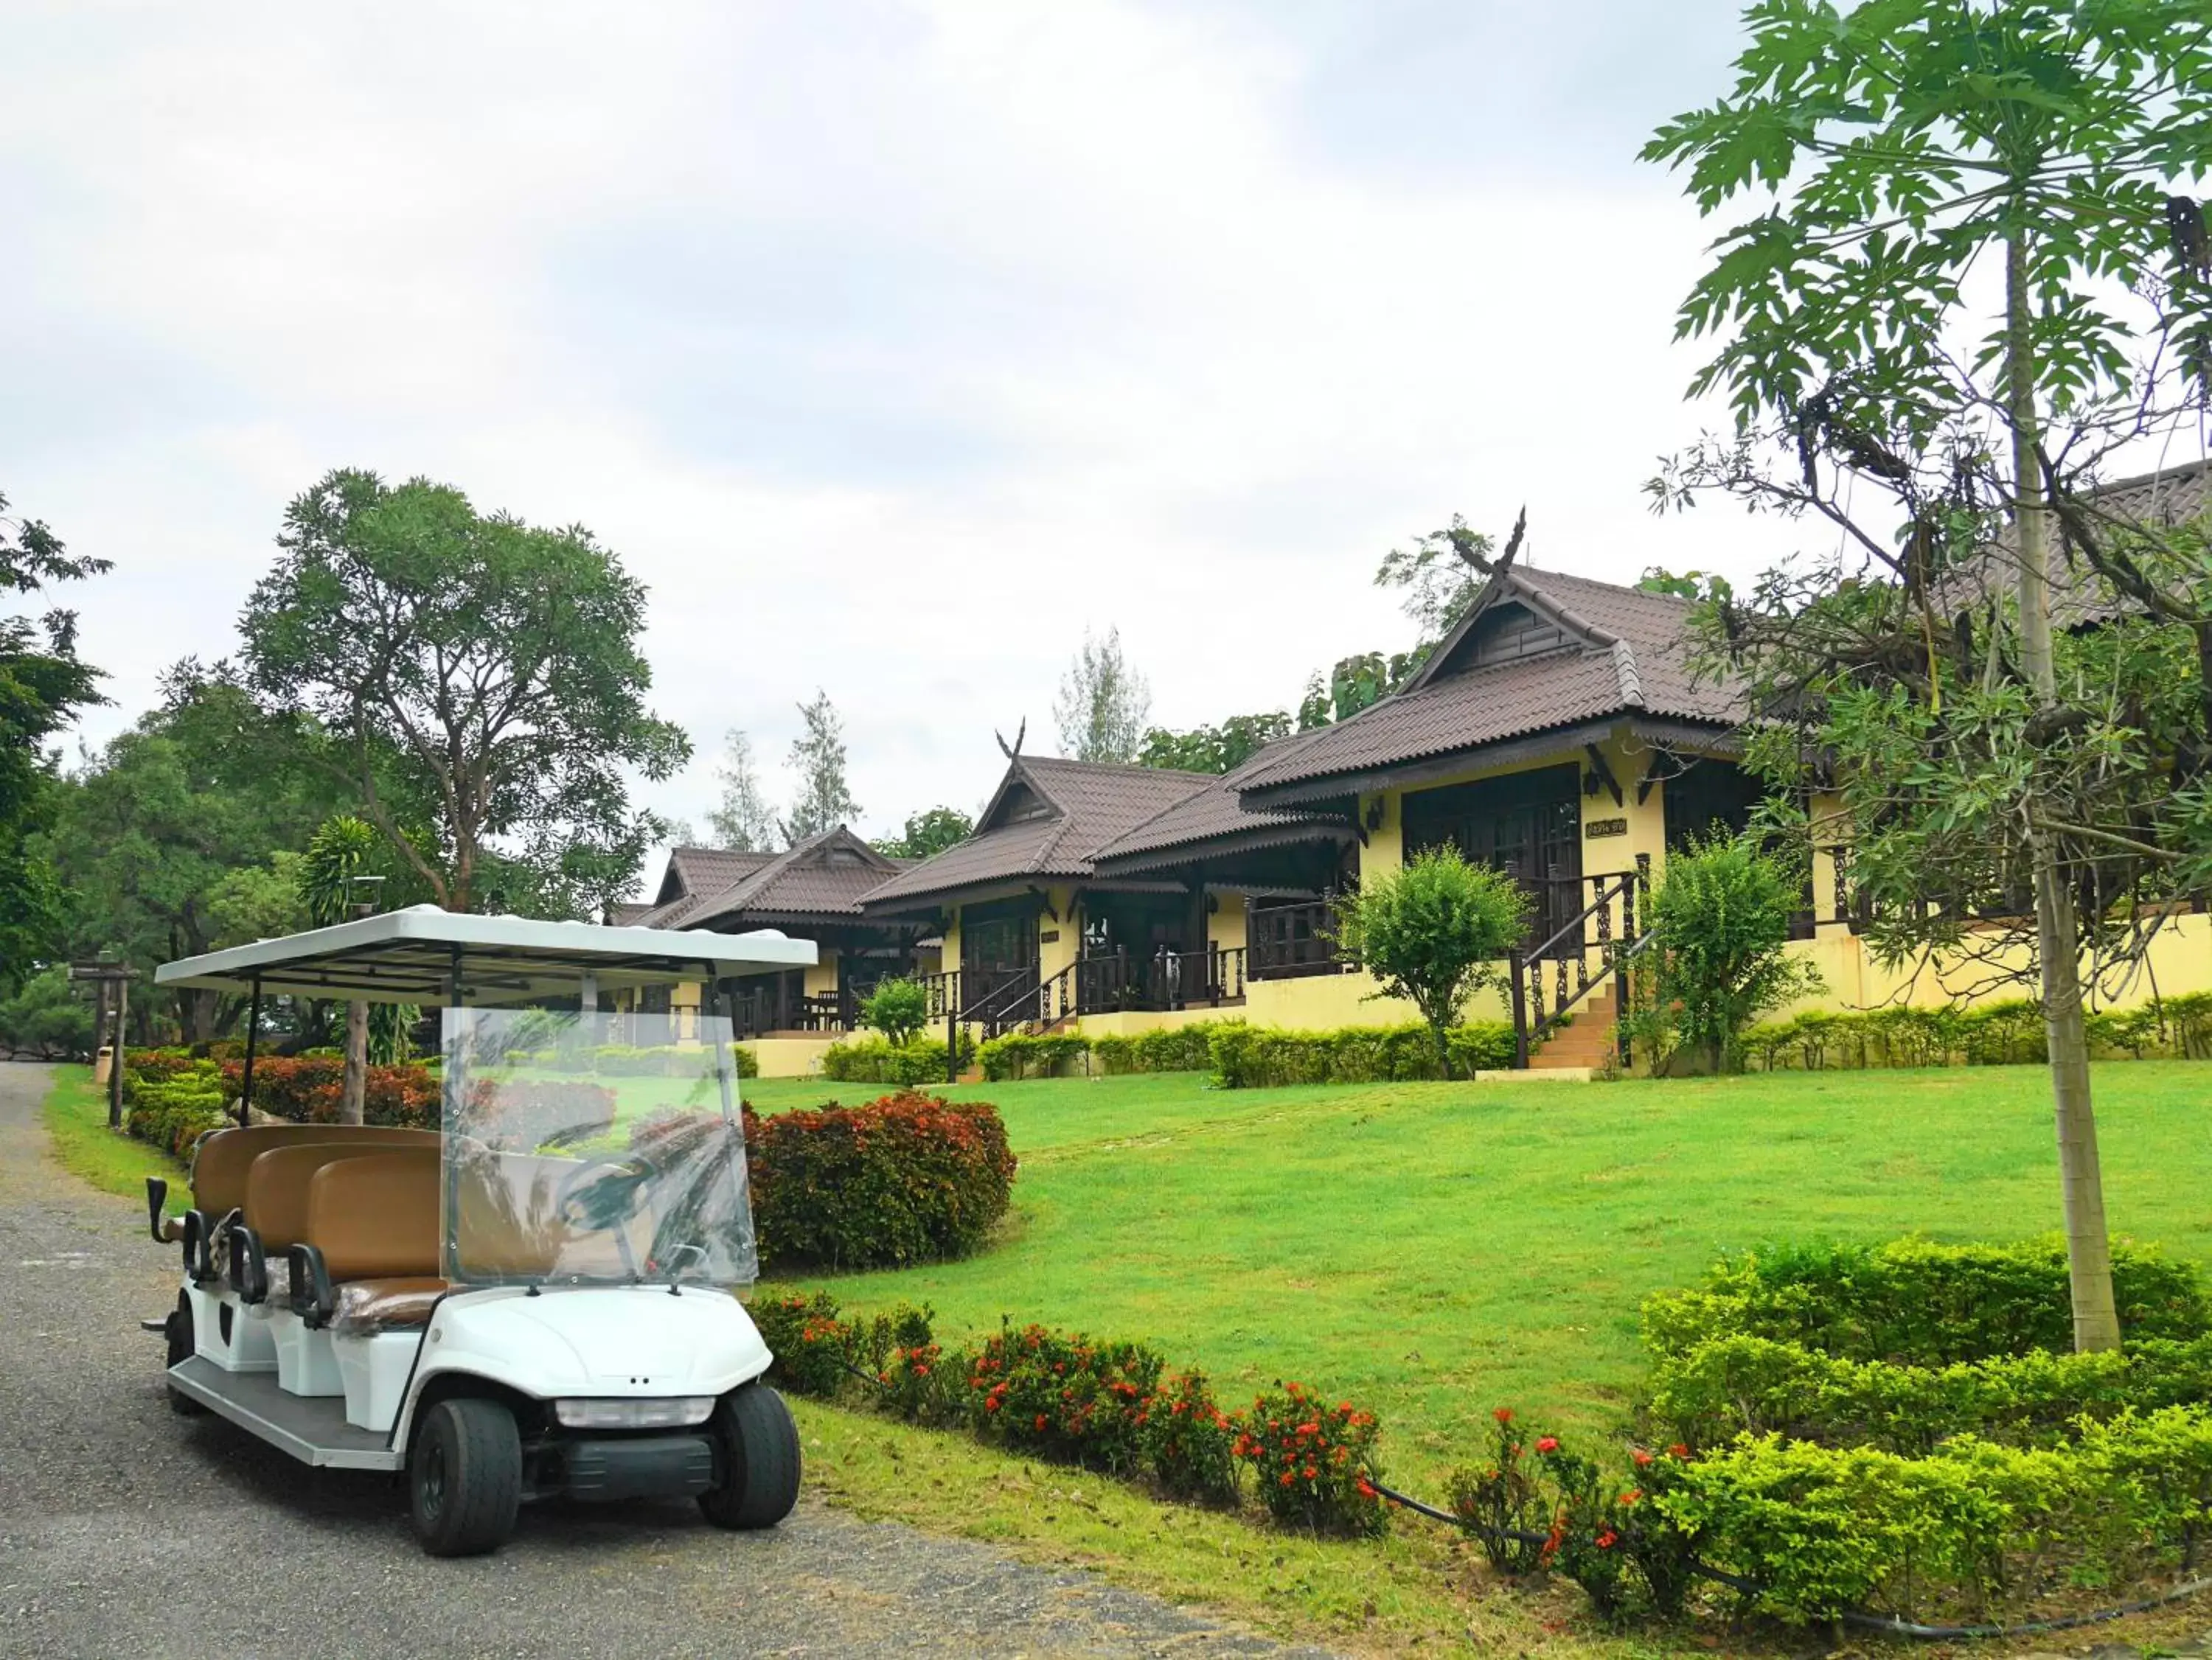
<point>824,798</point>
<point>1104,704</point>
<point>742,820</point>
<point>479,683</point>
<point>43,685</point>
<point>1963,196</point>
<point>165,834</point>
<point>338,856</point>
<point>1222,748</point>
<point>928,832</point>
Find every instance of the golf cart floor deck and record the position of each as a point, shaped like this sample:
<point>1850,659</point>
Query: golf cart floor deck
<point>312,1428</point>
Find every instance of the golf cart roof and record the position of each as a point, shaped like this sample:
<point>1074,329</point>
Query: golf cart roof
<point>415,955</point>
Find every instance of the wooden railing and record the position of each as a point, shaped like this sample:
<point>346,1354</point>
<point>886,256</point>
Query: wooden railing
<point>1116,981</point>
<point>1546,982</point>
<point>1283,942</point>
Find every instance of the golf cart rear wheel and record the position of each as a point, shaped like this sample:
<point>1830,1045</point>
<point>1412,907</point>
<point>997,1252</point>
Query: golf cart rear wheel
<point>464,1477</point>
<point>183,1345</point>
<point>758,1448</point>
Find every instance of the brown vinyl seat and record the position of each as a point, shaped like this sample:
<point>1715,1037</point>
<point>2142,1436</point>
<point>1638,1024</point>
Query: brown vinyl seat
<point>277,1182</point>
<point>225,1159</point>
<point>374,1219</point>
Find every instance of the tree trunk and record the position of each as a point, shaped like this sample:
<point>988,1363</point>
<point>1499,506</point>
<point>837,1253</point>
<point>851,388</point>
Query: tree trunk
<point>2089,1249</point>
<point>351,1106</point>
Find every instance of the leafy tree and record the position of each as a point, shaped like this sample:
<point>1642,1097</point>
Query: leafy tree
<point>1222,748</point>
<point>1435,932</point>
<point>43,685</point>
<point>742,820</point>
<point>479,685</point>
<point>824,800</point>
<point>898,1008</point>
<point>1963,198</point>
<point>1441,575</point>
<point>1103,703</point>
<point>46,1017</point>
<point>165,837</point>
<point>927,833</point>
<point>1720,922</point>
<point>338,856</point>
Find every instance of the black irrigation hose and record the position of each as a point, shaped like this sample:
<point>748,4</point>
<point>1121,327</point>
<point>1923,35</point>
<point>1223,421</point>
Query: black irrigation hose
<point>1888,1624</point>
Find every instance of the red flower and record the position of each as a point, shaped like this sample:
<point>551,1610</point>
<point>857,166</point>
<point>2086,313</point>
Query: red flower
<point>1607,1540</point>
<point>1040,1423</point>
<point>1366,1488</point>
<point>1677,1451</point>
<point>1641,1457</point>
<point>1504,1414</point>
<point>1632,1495</point>
<point>1547,1444</point>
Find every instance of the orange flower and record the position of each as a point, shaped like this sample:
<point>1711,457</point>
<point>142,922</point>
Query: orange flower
<point>1504,1414</point>
<point>1641,1457</point>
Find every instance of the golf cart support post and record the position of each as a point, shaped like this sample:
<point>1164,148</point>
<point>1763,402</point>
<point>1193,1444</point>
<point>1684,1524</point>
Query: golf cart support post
<point>496,1308</point>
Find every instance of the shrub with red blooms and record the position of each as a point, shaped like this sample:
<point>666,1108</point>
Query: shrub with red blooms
<point>1190,1442</point>
<point>1066,1397</point>
<point>1600,1529</point>
<point>310,1089</point>
<point>907,1178</point>
<point>1314,1464</point>
<point>808,1341</point>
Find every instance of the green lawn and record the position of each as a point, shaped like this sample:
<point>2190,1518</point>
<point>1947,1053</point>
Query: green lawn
<point>83,1145</point>
<point>1435,1250</point>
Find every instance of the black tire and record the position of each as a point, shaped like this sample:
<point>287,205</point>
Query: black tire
<point>757,1458</point>
<point>464,1477</point>
<point>183,1345</point>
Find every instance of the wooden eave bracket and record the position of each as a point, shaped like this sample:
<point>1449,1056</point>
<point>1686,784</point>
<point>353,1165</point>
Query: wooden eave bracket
<point>1605,774</point>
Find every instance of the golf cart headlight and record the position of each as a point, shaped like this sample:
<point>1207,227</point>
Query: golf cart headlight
<point>662,1412</point>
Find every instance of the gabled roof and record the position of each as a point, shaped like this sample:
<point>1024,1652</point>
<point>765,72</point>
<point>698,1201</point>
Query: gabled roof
<point>2079,597</point>
<point>1215,813</point>
<point>1599,651</point>
<point>699,872</point>
<point>1083,805</point>
<point>824,876</point>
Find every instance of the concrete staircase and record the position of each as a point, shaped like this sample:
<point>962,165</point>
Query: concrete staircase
<point>1586,1040</point>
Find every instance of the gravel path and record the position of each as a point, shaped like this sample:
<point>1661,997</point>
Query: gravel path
<point>127,1530</point>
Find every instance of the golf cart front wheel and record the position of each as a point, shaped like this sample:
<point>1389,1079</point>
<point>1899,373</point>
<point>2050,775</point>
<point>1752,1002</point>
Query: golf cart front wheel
<point>183,1345</point>
<point>464,1477</point>
<point>757,1456</point>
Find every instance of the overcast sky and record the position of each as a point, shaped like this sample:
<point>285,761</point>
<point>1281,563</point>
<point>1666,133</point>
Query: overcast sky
<point>890,344</point>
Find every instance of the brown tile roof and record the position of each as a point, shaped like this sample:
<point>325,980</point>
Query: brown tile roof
<point>2148,501</point>
<point>1215,810</point>
<point>824,876</point>
<point>1090,802</point>
<point>1629,658</point>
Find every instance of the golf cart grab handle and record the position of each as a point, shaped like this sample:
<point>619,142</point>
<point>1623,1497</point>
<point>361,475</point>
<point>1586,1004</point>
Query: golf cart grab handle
<point>316,1303</point>
<point>249,1269</point>
<point>157,1196</point>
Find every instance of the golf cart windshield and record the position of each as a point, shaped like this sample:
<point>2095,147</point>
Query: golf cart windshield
<point>594,1149</point>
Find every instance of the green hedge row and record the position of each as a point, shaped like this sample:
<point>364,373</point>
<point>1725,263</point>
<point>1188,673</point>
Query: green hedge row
<point>873,1059</point>
<point>1251,1057</point>
<point>1186,1048</point>
<point>2009,1032</point>
<point>1914,1302</point>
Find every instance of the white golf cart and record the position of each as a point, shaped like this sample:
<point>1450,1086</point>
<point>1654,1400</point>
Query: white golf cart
<point>532,1299</point>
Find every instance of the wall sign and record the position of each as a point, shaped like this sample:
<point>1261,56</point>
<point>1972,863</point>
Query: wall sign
<point>1593,828</point>
<point>1050,937</point>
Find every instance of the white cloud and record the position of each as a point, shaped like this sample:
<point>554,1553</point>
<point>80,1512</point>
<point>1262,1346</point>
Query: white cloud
<point>891,345</point>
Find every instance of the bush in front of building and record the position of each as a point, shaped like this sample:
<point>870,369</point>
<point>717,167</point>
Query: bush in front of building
<point>1258,1058</point>
<point>908,1179</point>
<point>904,1066</point>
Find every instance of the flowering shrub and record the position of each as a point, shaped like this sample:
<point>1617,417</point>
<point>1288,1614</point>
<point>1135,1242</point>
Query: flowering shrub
<point>906,1178</point>
<point>1503,1504</point>
<point>310,1089</point>
<point>1313,1463</point>
<point>808,1341</point>
<point>1066,1397</point>
<point>1190,1443</point>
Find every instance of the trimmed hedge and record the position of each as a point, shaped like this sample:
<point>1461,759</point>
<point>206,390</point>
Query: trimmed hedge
<point>1914,1302</point>
<point>1252,1058</point>
<point>2008,1032</point>
<point>1185,1048</point>
<point>1024,1055</point>
<point>907,1178</point>
<point>877,1060</point>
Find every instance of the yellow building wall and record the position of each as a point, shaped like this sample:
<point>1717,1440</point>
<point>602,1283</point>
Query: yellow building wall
<point>1059,942</point>
<point>1136,1022</point>
<point>798,1057</point>
<point>1225,929</point>
<point>822,979</point>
